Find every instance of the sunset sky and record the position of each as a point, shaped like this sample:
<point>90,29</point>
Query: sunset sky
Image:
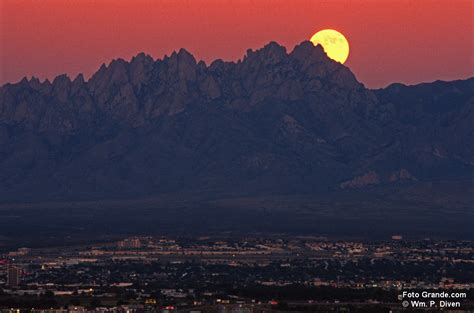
<point>390,41</point>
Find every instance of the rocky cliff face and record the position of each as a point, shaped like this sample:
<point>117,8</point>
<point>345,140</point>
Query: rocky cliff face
<point>272,122</point>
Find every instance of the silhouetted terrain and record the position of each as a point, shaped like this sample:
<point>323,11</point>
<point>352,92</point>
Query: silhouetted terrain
<point>274,122</point>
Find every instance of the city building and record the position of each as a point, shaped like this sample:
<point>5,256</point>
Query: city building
<point>129,243</point>
<point>13,276</point>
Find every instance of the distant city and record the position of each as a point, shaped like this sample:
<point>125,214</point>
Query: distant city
<point>233,274</point>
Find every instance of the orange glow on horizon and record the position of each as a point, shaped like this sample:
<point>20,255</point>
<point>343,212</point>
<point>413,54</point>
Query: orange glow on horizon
<point>400,41</point>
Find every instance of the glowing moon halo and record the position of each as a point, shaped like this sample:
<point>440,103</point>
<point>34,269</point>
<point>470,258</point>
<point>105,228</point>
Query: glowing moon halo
<point>334,44</point>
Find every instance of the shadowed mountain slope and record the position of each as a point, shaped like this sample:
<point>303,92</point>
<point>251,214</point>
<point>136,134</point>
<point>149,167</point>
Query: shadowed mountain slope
<point>273,122</point>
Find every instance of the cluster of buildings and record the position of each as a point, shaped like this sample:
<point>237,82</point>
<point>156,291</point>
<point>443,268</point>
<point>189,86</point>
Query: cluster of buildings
<point>192,271</point>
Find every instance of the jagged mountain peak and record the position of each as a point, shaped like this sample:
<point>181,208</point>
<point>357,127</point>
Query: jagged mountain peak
<point>307,50</point>
<point>79,79</point>
<point>272,53</point>
<point>142,57</point>
<point>143,89</point>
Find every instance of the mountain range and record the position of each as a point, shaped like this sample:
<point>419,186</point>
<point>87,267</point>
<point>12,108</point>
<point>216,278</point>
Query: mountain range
<point>274,122</point>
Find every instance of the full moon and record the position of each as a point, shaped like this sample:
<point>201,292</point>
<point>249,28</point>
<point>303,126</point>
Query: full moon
<point>334,44</point>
